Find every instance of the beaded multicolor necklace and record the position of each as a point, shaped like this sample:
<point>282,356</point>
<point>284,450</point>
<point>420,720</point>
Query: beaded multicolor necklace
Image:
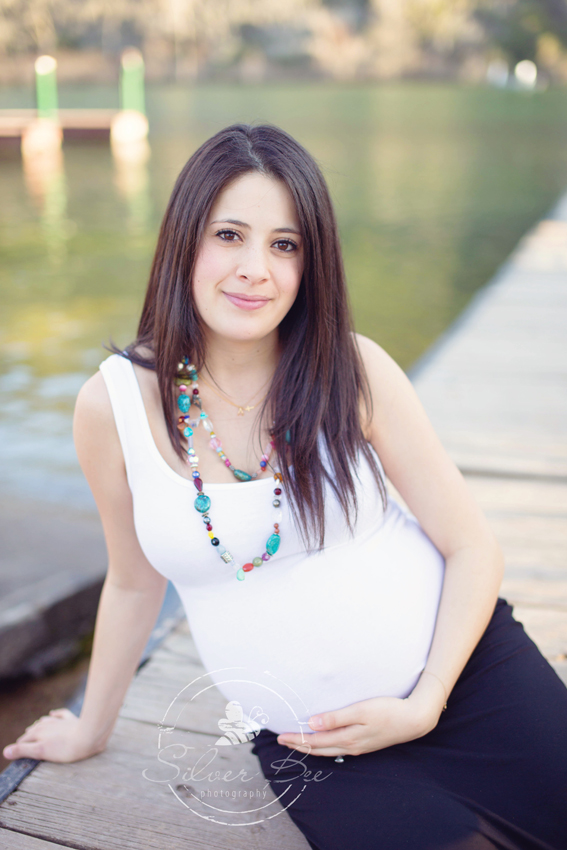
<point>187,379</point>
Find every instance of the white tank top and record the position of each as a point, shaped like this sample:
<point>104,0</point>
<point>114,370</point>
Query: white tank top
<point>303,633</point>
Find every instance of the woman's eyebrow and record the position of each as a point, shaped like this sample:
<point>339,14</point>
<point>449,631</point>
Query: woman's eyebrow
<point>244,224</point>
<point>230,221</point>
<point>286,230</point>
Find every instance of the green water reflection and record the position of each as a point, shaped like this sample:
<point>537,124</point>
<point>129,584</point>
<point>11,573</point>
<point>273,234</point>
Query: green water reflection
<point>433,187</point>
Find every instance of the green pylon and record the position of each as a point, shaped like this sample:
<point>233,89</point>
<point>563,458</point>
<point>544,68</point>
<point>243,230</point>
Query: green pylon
<point>132,81</point>
<point>46,86</point>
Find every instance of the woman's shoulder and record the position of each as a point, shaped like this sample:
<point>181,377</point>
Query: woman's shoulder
<point>94,396</point>
<point>386,379</point>
<point>95,433</point>
<point>93,408</point>
<point>375,359</point>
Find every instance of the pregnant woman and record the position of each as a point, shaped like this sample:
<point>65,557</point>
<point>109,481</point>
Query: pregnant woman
<point>239,448</point>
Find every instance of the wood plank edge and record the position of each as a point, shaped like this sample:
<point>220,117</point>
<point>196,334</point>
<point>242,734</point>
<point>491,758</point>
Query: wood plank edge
<point>171,614</point>
<point>31,842</point>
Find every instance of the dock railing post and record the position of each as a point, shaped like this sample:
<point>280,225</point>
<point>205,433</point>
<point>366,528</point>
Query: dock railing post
<point>130,126</point>
<point>46,87</point>
<point>44,135</point>
<point>132,93</point>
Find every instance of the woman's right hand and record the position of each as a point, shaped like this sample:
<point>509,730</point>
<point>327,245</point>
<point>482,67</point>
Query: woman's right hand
<point>58,736</point>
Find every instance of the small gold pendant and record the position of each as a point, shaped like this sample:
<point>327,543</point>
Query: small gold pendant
<point>240,411</point>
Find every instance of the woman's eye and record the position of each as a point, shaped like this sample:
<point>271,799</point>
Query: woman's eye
<point>285,245</point>
<point>227,235</point>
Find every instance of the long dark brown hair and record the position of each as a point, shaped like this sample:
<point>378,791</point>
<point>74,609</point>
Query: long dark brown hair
<point>319,381</point>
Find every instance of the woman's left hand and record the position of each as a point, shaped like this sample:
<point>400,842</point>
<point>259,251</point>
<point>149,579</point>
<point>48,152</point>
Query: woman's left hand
<point>372,724</point>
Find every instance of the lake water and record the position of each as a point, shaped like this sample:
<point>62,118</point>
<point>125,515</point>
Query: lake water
<point>433,186</point>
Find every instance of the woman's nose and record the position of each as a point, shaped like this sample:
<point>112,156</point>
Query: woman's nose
<point>253,264</point>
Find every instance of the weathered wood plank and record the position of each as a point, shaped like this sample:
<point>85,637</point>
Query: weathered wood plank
<point>20,841</point>
<point>495,385</point>
<point>110,796</point>
<point>107,803</point>
<point>163,681</point>
<point>549,625</point>
<point>529,519</point>
<point>495,389</point>
<point>544,498</point>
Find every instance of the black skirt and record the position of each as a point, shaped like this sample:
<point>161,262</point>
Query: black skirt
<point>493,772</point>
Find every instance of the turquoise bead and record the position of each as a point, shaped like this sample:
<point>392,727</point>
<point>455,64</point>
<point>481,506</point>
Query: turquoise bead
<point>242,476</point>
<point>203,415</point>
<point>241,575</point>
<point>187,432</point>
<point>202,503</point>
<point>273,544</point>
<point>183,403</point>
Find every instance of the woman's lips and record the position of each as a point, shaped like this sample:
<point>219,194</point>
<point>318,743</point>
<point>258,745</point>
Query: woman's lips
<point>246,302</point>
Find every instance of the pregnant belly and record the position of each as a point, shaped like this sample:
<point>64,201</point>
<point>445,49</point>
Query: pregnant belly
<point>348,624</point>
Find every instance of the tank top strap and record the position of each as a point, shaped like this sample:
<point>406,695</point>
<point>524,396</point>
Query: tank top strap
<point>128,409</point>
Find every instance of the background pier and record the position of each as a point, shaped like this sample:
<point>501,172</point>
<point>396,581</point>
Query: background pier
<point>75,123</point>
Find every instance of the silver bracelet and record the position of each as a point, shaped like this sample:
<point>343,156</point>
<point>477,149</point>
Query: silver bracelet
<point>442,685</point>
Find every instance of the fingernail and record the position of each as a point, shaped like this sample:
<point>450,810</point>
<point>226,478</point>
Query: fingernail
<point>282,740</point>
<point>316,721</point>
<point>8,752</point>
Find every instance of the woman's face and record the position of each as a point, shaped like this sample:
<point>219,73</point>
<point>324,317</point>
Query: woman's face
<point>250,262</point>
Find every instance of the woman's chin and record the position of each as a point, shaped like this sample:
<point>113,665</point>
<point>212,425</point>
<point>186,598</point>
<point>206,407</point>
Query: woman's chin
<point>236,332</point>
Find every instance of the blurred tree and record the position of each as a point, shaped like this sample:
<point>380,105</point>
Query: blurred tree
<point>441,25</point>
<point>356,13</point>
<point>335,46</point>
<point>344,39</point>
<point>409,35</point>
<point>110,15</point>
<point>394,45</point>
<point>200,29</point>
<point>551,55</point>
<point>516,26</point>
<point>29,24</point>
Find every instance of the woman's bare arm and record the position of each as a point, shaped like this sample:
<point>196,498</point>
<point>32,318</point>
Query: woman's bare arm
<point>131,598</point>
<point>433,488</point>
<point>420,469</point>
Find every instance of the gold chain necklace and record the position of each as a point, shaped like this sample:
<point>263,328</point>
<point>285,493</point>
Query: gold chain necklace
<point>242,408</point>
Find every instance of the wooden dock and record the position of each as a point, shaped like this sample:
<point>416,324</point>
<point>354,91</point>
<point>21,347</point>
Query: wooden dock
<point>494,387</point>
<point>75,123</point>
<point>119,799</point>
